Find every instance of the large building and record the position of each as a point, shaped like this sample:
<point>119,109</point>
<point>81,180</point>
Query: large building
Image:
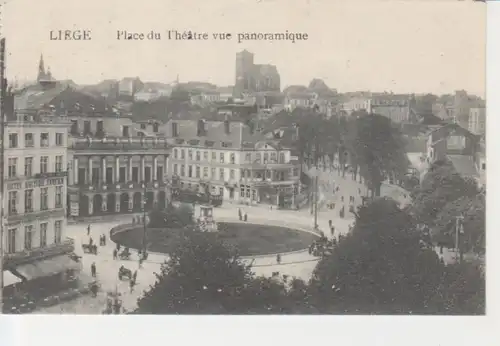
<point>251,77</point>
<point>228,158</point>
<point>114,164</point>
<point>37,252</point>
<point>477,121</point>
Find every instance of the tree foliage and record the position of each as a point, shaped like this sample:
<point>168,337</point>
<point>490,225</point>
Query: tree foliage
<point>379,268</point>
<point>441,185</point>
<point>171,217</point>
<point>376,148</point>
<point>473,211</point>
<point>204,276</point>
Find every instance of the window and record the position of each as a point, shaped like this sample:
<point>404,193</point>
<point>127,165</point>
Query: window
<point>183,154</point>
<point>28,201</point>
<point>232,158</point>
<point>282,157</point>
<point>59,197</point>
<point>59,163</point>
<point>29,140</point>
<point>175,169</point>
<point>197,171</point>
<point>12,202</point>
<point>190,171</point>
<point>183,171</point>
<point>205,172</point>
<point>214,156</point>
<point>28,166</point>
<point>221,156</point>
<point>221,173</point>
<point>175,153</point>
<point>257,157</point>
<point>74,127</point>
<point>266,157</point>
<point>44,197</point>
<point>242,191</point>
<point>198,156</point>
<point>273,157</point>
<point>125,131</point>
<point>11,240</point>
<point>205,155</point>
<point>212,173</point>
<point>44,163</point>
<point>248,157</point>
<point>231,174</point>
<point>44,140</point>
<point>28,237</point>
<point>12,167</point>
<point>59,139</point>
<point>190,154</point>
<point>43,234</point>
<point>57,232</point>
<point>156,127</point>
<point>143,126</point>
<point>13,142</point>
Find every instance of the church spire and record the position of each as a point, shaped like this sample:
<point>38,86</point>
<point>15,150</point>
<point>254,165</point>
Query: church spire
<point>41,69</point>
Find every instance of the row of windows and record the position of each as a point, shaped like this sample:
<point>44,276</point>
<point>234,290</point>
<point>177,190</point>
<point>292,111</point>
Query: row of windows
<point>258,157</point>
<point>29,140</point>
<point>29,235</point>
<point>180,170</point>
<point>28,165</point>
<point>28,200</point>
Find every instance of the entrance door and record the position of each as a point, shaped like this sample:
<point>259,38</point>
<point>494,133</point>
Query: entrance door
<point>109,175</point>
<point>82,179</point>
<point>95,176</point>
<point>147,174</point>
<point>159,173</point>
<point>123,172</point>
<point>135,174</point>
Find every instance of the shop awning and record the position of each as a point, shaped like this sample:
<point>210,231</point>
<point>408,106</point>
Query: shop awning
<point>10,279</point>
<point>47,267</point>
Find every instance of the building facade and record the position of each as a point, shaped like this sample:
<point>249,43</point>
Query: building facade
<point>477,121</point>
<point>35,168</point>
<point>227,159</point>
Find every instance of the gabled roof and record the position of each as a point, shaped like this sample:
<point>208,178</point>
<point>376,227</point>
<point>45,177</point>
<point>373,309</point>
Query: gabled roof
<point>464,165</point>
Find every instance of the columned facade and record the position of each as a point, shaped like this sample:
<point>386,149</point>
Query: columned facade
<point>118,182</point>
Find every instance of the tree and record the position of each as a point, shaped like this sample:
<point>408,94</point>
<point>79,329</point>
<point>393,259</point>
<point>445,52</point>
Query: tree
<point>473,211</point>
<point>171,217</point>
<point>377,148</point>
<point>441,185</point>
<point>462,291</point>
<point>380,267</point>
<point>204,276</point>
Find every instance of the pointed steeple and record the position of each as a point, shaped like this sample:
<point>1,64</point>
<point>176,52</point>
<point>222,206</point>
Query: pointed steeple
<point>41,69</point>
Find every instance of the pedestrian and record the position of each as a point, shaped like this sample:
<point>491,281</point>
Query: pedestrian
<point>141,259</point>
<point>118,246</point>
<point>134,276</point>
<point>88,229</point>
<point>91,241</point>
<point>115,254</point>
<point>246,217</point>
<point>132,283</point>
<point>278,258</point>
<point>239,214</point>
<point>94,288</point>
<point>104,239</point>
<point>342,198</point>
<point>332,230</point>
<point>93,270</point>
<point>330,223</point>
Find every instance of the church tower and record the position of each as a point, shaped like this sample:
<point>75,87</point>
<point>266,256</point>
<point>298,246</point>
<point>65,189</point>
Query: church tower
<point>41,69</point>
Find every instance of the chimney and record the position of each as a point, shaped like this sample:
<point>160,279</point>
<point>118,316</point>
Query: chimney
<point>174,129</point>
<point>201,128</point>
<point>226,127</point>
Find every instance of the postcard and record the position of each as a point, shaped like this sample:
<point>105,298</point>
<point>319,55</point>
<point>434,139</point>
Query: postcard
<point>243,158</point>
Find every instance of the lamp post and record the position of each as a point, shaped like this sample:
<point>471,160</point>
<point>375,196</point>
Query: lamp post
<point>459,230</point>
<point>144,200</point>
<point>314,173</point>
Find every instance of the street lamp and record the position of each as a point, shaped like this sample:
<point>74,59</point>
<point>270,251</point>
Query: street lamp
<point>314,173</point>
<point>459,230</point>
<point>144,199</point>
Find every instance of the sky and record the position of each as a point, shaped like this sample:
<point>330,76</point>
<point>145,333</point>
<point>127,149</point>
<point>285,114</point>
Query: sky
<point>380,45</point>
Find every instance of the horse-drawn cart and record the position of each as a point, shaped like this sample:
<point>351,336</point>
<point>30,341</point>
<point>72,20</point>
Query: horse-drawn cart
<point>124,273</point>
<point>87,248</point>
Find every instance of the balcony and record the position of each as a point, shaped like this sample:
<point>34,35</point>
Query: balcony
<point>50,175</point>
<point>27,256</point>
<point>115,187</point>
<point>13,218</point>
<point>117,144</point>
